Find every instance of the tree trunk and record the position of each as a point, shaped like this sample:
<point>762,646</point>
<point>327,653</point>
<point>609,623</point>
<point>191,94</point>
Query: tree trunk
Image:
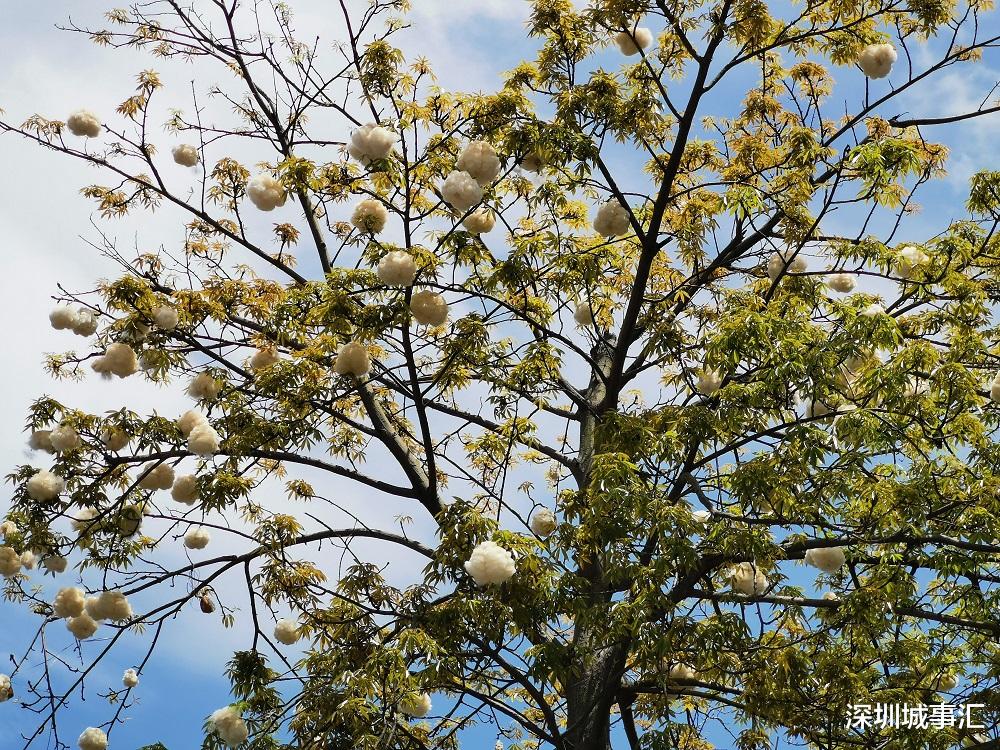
<point>590,697</point>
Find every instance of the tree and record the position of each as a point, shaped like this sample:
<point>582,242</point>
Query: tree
<point>599,331</point>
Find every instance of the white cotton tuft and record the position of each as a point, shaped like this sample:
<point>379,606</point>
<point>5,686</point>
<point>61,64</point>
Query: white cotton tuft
<point>947,681</point>
<point>873,310</point>
<point>429,308</point>
<point>995,390</point>
<point>185,489</point>
<point>632,42</point>
<point>204,387</point>
<point>532,162</point>
<point>204,441</point>
<point>352,359</point>
<point>6,691</point>
<point>64,438</point>
<point>28,560</point>
<point>370,216</point>
<point>109,605</point>
<point>480,221</point>
<point>876,60</point>
<point>479,160</point>
<point>8,528</point>
<point>186,155</point>
<point>82,626</point>
<point>397,268</point>
<point>114,439</point>
<point>286,631</point>
<point>69,602</point>
<point>45,485</point>
<point>84,519</point>
<point>787,261</point>
<point>228,724</point>
<point>827,559</point>
<point>84,123</point>
<point>543,522</point>
<point>85,323</point>
<point>709,381</point>
<point>266,193</point>
<point>40,441</point>
<point>584,314</point>
<point>416,705</point>
<point>157,476</point>
<point>611,219</point>
<point>130,679</point>
<point>490,564</point>
<point>119,359</point>
<point>745,578</point>
<point>680,671</point>
<point>908,262</point>
<point>62,317</point>
<point>701,516</point>
<point>815,408</point>
<point>166,317</point>
<point>189,420</point>
<point>461,191</point>
<point>197,538</point>
<point>10,562</point>
<point>841,282</point>
<point>264,358</point>
<point>371,142</point>
<point>93,739</point>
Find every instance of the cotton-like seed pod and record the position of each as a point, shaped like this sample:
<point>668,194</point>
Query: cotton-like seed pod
<point>228,724</point>
<point>370,216</point>
<point>633,42</point>
<point>264,358</point>
<point>827,559</point>
<point>40,440</point>
<point>814,408</point>
<point>709,381</point>
<point>55,563</point>
<point>204,441</point>
<point>84,123</point>
<point>286,631</point>
<point>166,317</point>
<point>747,579</point>
<point>352,359</point>
<point>114,439</point>
<point>611,219</point>
<point>93,739</point>
<point>185,489</point>
<point>130,679</point>
<point>44,485</point>
<point>85,519</point>
<point>946,681</point>
<point>995,390</point>
<point>841,282</point>
<point>461,191</point>
<point>479,160</point>
<point>157,476</point>
<point>543,522</point>
<point>480,221</point>
<point>532,162</point>
<point>876,60</point>
<point>28,560</point>
<point>266,193</point>
<point>85,323</point>
<point>397,268</point>
<point>109,605</point>
<point>10,562</point>
<point>701,516</point>
<point>129,520</point>
<point>197,538</point>
<point>428,308</point>
<point>584,314</point>
<point>119,359</point>
<point>490,564</point>
<point>873,310</point>
<point>909,261</point>
<point>787,261</point>
<point>186,155</point>
<point>204,387</point>
<point>64,438</point>
<point>62,317</point>
<point>8,528</point>
<point>371,142</point>
<point>189,420</point>
<point>6,691</point>
<point>416,705</point>
<point>680,671</point>
<point>82,626</point>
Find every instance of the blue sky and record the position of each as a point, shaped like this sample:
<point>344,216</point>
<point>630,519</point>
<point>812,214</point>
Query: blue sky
<point>53,72</point>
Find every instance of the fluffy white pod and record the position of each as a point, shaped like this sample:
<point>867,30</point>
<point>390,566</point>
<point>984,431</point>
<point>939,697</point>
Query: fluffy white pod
<point>64,438</point>
<point>55,563</point>
<point>352,359</point>
<point>45,485</point>
<point>185,154</point>
<point>701,516</point>
<point>119,359</point>
<point>709,381</point>
<point>6,691</point>
<point>204,387</point>
<point>204,441</point>
<point>876,60</point>
<point>416,705</point>
<point>680,671</point>
<point>82,626</point>
<point>746,579</point>
<point>611,219</point>
<point>543,522</point>
<point>873,310</point>
<point>84,519</point>
<point>532,162</point>
<point>189,420</point>
<point>371,142</point>
<point>197,538</point>
<point>85,323</point>
<point>157,477</point>
<point>827,559</point>
<point>185,489</point>
<point>264,358</point>
<point>129,678</point>
<point>84,123</point>
<point>784,262</point>
<point>479,160</point>
<point>490,564</point>
<point>130,520</point>
<point>10,562</point>
<point>40,441</point>
<point>397,268</point>
<point>584,314</point>
<point>909,260</point>
<point>62,317</point>
<point>166,317</point>
<point>370,216</point>
<point>286,631</point>
<point>109,605</point>
<point>480,221</point>
<point>114,439</point>
<point>8,528</point>
<point>995,390</point>
<point>947,681</point>
<point>228,724</point>
<point>93,739</point>
<point>842,282</point>
<point>633,42</point>
<point>69,602</point>
<point>461,191</point>
<point>28,560</point>
<point>266,193</point>
<point>429,308</point>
